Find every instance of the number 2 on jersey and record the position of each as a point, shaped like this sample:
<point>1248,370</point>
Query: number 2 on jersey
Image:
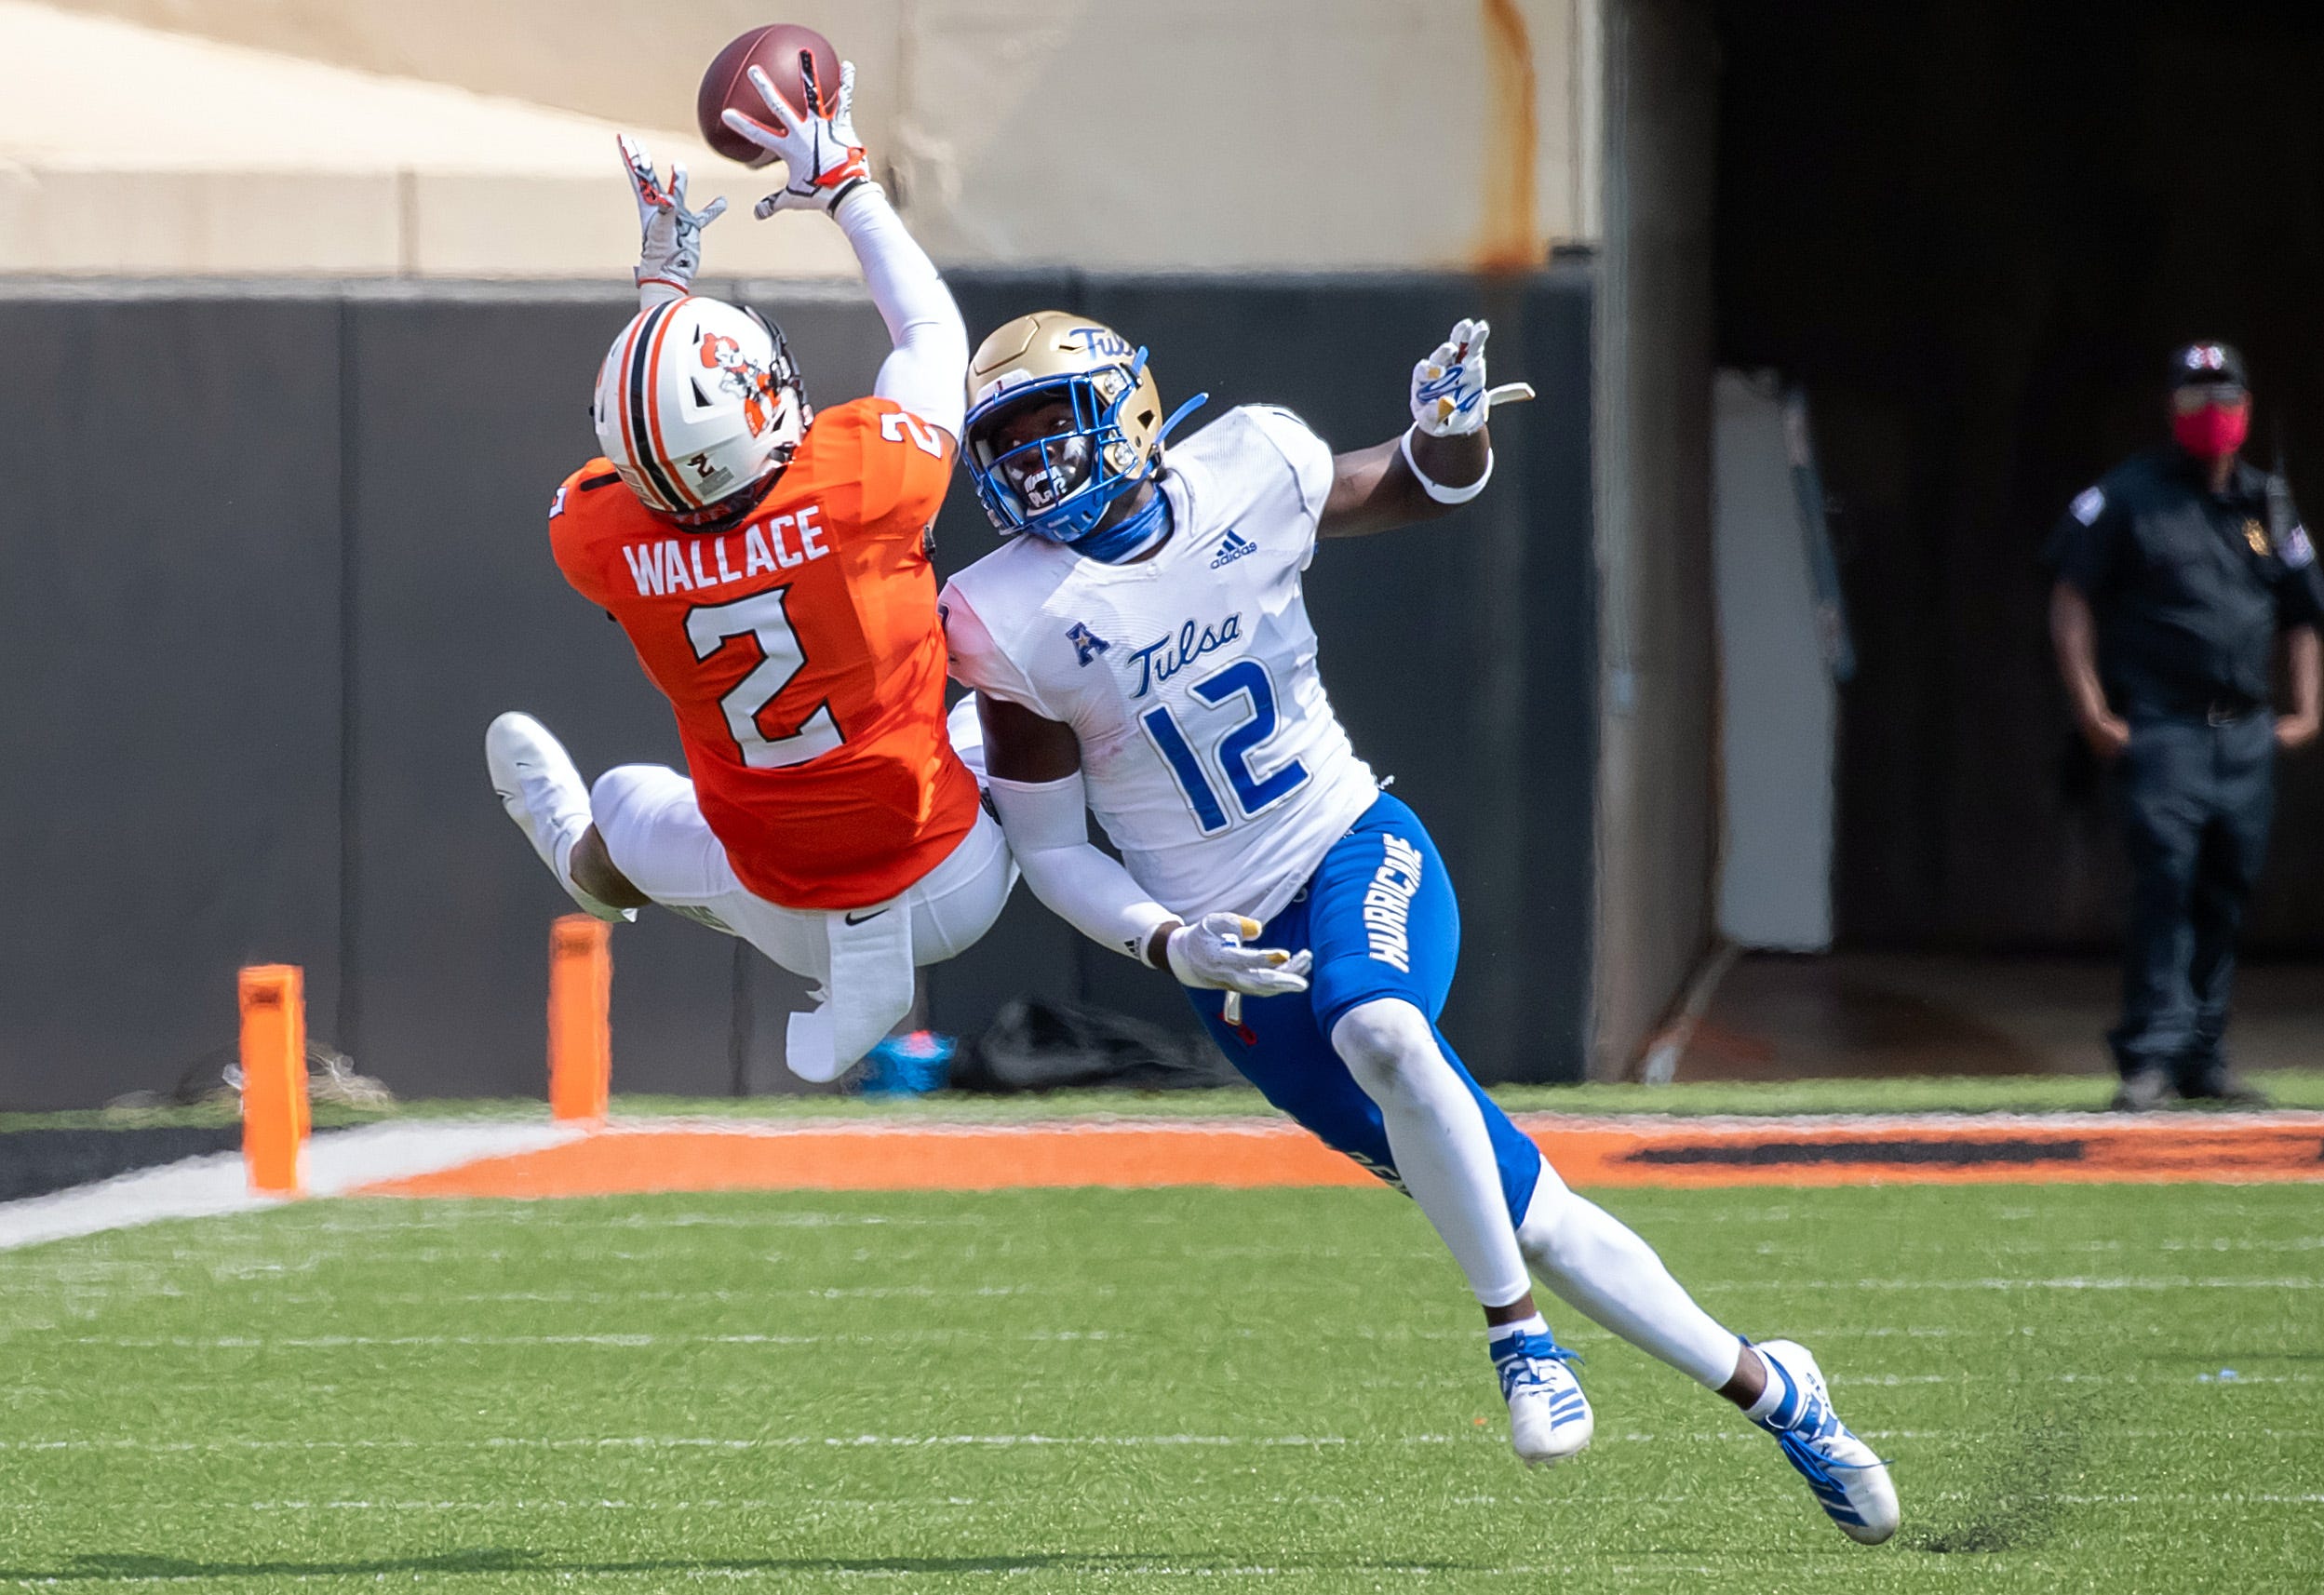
<point>1244,677</point>
<point>896,423</point>
<point>762,618</point>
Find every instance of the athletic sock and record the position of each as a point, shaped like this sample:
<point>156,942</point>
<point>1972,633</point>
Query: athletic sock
<point>1778,1403</point>
<point>1497,1332</point>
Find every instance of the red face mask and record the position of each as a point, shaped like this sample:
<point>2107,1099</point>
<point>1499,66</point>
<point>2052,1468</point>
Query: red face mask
<point>2212,432</point>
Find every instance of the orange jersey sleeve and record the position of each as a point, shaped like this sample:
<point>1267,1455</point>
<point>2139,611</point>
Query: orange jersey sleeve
<point>802,654</point>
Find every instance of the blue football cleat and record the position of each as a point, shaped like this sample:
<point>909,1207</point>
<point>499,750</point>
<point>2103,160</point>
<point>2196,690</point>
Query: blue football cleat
<point>1548,1417</point>
<point>1850,1481</point>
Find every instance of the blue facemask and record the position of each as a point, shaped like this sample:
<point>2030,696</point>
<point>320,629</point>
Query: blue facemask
<point>1071,472</point>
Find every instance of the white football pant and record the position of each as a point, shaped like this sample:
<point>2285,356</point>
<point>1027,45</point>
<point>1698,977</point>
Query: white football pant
<point>861,958</point>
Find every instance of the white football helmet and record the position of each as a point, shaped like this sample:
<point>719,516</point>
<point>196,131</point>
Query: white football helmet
<point>698,403</point>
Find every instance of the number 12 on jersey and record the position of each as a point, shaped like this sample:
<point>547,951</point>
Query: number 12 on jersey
<point>1245,678</point>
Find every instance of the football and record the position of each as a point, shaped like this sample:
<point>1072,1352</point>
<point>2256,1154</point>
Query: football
<point>774,49</point>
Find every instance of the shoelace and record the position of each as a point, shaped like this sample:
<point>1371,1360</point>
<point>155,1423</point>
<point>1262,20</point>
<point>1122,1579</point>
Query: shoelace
<point>1803,1439</point>
<point>1518,1362</point>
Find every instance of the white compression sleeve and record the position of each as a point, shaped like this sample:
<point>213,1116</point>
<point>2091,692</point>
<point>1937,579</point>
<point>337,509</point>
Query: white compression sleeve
<point>1047,826</point>
<point>1601,1266</point>
<point>1437,1132</point>
<point>928,372</point>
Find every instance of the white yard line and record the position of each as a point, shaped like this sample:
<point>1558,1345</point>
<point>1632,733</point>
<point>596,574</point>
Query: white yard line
<point>215,1186</point>
<point>2070,1282</point>
<point>618,1341</point>
<point>849,1443</point>
<point>701,1442</point>
<point>1269,1125</point>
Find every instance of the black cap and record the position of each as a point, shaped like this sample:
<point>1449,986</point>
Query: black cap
<point>2208,363</point>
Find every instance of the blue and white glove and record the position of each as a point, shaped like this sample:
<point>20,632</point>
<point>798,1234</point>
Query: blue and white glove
<point>1210,955</point>
<point>1449,398</point>
<point>823,160</point>
<point>670,249</point>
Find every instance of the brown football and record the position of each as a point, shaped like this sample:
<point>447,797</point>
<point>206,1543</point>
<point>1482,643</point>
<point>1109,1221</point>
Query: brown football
<point>775,50</point>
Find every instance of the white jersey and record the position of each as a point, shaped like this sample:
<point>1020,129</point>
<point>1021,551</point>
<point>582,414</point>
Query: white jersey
<point>1211,756</point>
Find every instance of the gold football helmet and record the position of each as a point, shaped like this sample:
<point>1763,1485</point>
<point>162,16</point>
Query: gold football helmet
<point>1108,442</point>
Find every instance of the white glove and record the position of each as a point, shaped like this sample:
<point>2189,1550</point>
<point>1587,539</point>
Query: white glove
<point>822,161</point>
<point>671,249</point>
<point>1210,956</point>
<point>1449,398</point>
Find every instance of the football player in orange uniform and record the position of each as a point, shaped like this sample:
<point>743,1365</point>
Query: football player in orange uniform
<point>770,565</point>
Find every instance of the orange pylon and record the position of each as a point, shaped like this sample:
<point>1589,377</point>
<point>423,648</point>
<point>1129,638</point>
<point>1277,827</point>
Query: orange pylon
<point>274,1113</point>
<point>581,1034</point>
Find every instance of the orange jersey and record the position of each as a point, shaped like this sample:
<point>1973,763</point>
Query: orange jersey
<point>801,652</point>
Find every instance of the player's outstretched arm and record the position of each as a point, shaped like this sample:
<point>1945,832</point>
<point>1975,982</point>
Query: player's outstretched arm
<point>669,250</point>
<point>1441,463</point>
<point>826,168</point>
<point>1034,767</point>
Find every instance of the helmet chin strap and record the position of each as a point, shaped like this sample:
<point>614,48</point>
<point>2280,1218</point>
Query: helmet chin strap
<point>1143,529</point>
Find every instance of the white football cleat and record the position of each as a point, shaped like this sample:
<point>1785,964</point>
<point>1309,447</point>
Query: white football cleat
<point>537,783</point>
<point>1548,1417</point>
<point>1849,1480</point>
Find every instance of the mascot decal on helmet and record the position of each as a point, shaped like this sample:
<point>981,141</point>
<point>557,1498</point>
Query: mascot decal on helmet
<point>753,383</point>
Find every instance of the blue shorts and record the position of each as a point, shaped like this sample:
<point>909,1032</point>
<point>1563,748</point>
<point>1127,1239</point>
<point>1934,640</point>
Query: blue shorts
<point>1379,915</point>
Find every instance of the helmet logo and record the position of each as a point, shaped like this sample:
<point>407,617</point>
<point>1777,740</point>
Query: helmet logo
<point>1100,340</point>
<point>748,381</point>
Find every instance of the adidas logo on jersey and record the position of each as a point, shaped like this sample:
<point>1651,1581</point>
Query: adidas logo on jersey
<point>1235,548</point>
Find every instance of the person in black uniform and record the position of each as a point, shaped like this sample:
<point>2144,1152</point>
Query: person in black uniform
<point>2175,575</point>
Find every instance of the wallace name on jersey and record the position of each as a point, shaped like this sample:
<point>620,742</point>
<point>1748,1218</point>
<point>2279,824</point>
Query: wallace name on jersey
<point>672,565</point>
<point>1209,751</point>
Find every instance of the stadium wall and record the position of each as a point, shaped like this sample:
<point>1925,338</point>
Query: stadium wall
<point>275,557</point>
<point>1658,801</point>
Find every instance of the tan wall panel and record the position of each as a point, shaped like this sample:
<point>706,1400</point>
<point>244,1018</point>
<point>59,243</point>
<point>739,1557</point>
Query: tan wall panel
<point>1194,134</point>
<point>483,225</point>
<point>176,223</point>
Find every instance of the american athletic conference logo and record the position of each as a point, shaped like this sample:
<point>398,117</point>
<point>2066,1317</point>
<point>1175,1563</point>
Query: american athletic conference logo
<point>1087,644</point>
<point>1234,548</point>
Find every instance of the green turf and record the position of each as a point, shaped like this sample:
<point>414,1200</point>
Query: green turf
<point>1911,1093</point>
<point>1058,1391</point>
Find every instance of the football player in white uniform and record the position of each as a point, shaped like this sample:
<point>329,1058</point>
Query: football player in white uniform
<point>1139,647</point>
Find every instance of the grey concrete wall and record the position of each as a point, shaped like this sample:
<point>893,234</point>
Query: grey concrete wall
<point>1656,800</point>
<point>169,645</point>
<point>276,562</point>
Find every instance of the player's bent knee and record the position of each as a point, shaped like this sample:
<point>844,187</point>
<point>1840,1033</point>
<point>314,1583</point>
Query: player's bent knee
<point>624,800</point>
<point>1545,1233</point>
<point>1387,1044</point>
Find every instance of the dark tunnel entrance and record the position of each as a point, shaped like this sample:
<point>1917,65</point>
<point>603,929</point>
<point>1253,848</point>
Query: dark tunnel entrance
<point>1973,230</point>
